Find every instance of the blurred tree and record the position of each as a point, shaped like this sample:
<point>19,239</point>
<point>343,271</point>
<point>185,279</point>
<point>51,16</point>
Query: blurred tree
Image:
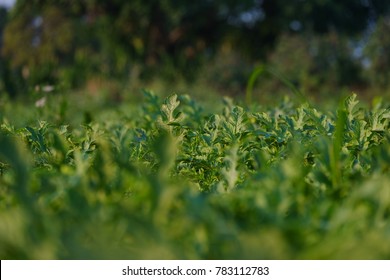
<point>3,16</point>
<point>378,54</point>
<point>258,26</point>
<point>321,64</point>
<point>322,16</point>
<point>37,43</point>
<point>8,83</point>
<point>49,41</point>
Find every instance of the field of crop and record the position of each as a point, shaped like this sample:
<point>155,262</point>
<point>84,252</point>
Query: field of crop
<point>170,179</point>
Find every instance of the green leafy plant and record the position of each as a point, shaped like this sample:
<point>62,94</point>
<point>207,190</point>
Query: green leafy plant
<point>170,179</point>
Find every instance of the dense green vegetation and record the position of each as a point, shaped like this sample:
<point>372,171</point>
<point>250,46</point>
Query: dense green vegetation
<point>324,47</point>
<point>91,169</point>
<point>173,179</point>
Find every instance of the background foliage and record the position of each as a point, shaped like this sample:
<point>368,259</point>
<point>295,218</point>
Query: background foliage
<point>320,45</point>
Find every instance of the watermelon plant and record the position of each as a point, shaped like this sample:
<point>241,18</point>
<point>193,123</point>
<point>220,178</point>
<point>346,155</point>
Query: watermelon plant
<point>172,180</point>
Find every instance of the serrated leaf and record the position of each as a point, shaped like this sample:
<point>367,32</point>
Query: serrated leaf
<point>350,104</point>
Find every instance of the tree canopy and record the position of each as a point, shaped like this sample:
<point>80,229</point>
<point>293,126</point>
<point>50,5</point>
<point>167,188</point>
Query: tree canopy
<point>48,41</point>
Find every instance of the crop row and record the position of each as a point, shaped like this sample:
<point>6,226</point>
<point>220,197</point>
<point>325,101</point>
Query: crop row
<point>173,180</point>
